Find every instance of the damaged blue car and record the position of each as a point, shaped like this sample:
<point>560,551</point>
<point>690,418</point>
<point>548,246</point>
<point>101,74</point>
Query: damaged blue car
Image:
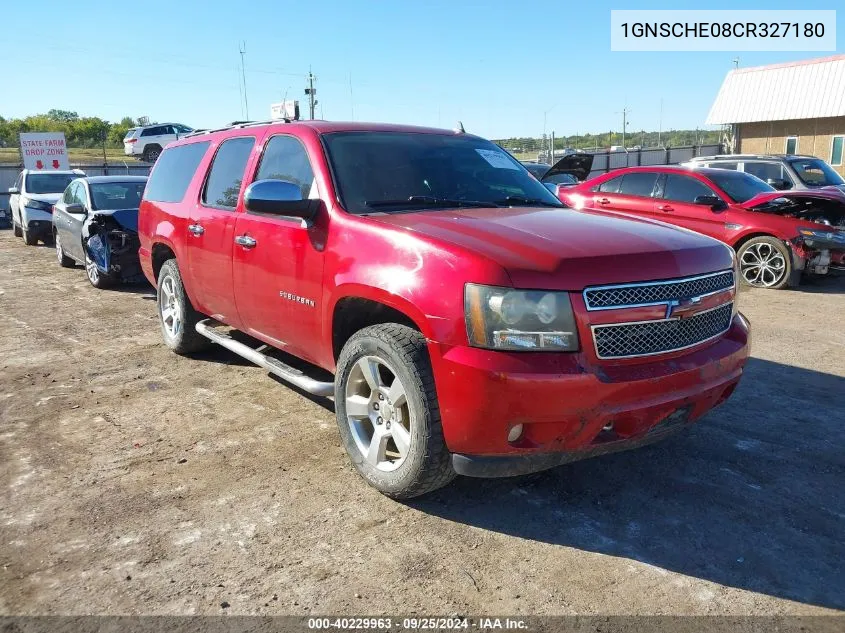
<point>95,223</point>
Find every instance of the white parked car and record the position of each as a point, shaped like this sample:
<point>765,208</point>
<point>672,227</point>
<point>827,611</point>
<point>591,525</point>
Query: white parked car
<point>148,141</point>
<point>32,199</point>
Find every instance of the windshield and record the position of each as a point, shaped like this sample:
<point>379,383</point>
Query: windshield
<point>48,183</point>
<point>738,185</point>
<point>816,172</point>
<point>116,195</point>
<point>403,171</point>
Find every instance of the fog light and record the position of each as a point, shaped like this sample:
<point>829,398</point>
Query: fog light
<point>515,433</point>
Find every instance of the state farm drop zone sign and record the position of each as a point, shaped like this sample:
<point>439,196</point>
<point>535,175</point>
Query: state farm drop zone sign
<point>44,150</point>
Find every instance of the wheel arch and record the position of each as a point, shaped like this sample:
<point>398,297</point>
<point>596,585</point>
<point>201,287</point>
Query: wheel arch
<point>358,308</point>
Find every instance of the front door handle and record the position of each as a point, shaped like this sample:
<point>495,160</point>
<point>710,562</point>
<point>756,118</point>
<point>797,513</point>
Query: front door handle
<point>246,241</point>
<point>196,229</point>
<point>603,201</point>
<point>666,207</point>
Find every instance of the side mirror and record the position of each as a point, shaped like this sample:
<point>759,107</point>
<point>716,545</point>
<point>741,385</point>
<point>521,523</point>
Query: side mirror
<point>714,202</point>
<point>14,190</point>
<point>76,209</point>
<point>779,183</point>
<point>279,197</point>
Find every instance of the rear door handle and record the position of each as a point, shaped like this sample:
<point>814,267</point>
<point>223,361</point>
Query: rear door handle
<point>603,201</point>
<point>246,241</point>
<point>196,229</point>
<point>665,207</point>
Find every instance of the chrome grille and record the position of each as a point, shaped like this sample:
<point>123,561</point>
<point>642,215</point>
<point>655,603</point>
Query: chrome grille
<point>644,338</point>
<point>650,293</point>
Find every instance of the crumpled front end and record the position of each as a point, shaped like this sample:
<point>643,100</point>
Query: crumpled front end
<point>113,248</point>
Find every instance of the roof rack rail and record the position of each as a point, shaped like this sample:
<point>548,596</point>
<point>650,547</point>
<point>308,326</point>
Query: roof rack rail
<point>237,124</point>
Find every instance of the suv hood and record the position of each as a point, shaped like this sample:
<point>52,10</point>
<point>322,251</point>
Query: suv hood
<point>578,165</point>
<point>565,249</point>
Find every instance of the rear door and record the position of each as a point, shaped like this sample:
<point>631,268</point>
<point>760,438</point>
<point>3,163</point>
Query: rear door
<point>678,206</point>
<point>211,229</point>
<point>278,273</point>
<point>632,192</point>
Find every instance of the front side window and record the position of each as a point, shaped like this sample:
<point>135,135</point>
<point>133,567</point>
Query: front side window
<point>792,145</point>
<point>406,171</point>
<point>116,195</point>
<point>685,188</point>
<point>173,172</point>
<point>836,150</point>
<point>638,183</point>
<point>227,173</point>
<point>739,186</point>
<point>48,183</point>
<point>285,159</point>
<point>815,172</point>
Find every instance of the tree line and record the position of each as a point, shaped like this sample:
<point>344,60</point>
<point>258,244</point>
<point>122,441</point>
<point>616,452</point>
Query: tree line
<point>665,138</point>
<point>80,132</point>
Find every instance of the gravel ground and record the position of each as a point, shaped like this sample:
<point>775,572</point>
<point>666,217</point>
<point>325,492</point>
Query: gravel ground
<point>133,481</point>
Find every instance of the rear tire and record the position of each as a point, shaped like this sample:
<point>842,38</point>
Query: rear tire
<point>764,262</point>
<point>151,153</point>
<point>384,370</point>
<point>177,315</point>
<point>64,260</point>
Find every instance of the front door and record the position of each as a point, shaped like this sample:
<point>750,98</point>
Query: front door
<point>678,206</point>
<point>69,225</point>
<point>211,230</point>
<point>278,262</point>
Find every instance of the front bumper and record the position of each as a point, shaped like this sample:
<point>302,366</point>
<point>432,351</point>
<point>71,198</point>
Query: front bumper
<point>570,409</point>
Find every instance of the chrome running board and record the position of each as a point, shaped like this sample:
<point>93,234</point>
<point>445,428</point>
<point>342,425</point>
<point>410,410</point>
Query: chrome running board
<point>273,365</point>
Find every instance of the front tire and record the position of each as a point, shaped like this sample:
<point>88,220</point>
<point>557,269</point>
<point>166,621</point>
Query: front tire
<point>28,238</point>
<point>16,229</point>
<point>97,278</point>
<point>388,414</point>
<point>177,316</point>
<point>764,262</point>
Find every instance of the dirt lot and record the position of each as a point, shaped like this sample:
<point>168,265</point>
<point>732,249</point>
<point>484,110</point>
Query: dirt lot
<point>137,482</point>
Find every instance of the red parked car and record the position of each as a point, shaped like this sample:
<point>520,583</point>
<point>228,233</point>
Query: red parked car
<point>778,235</point>
<point>464,320</point>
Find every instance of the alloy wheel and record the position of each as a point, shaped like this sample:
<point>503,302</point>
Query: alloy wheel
<point>169,308</point>
<point>378,414</point>
<point>762,265</point>
<point>92,270</point>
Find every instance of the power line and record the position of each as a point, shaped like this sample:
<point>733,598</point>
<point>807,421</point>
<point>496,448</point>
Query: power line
<point>242,49</point>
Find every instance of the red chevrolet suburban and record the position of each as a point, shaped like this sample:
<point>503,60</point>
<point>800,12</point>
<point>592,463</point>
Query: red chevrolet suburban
<point>464,320</point>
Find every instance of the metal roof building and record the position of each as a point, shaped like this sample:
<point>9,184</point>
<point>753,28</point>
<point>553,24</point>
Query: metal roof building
<point>790,108</point>
<point>809,89</point>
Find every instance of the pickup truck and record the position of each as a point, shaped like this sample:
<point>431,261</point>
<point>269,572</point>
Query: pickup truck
<point>465,321</point>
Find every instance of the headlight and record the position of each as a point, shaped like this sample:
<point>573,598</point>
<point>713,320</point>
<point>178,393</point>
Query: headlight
<point>525,320</point>
<point>828,236</point>
<point>37,204</point>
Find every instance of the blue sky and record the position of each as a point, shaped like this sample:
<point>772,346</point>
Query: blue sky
<point>498,65</point>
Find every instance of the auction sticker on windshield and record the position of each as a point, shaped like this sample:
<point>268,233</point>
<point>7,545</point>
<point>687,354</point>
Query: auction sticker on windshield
<point>497,159</point>
<point>44,150</point>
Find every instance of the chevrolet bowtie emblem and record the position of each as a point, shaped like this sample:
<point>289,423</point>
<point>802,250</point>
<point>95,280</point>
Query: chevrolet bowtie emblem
<point>682,308</point>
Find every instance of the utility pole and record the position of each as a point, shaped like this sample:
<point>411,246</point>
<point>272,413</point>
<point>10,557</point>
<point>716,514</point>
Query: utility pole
<point>660,126</point>
<point>311,93</point>
<point>242,49</point>
<point>625,112</point>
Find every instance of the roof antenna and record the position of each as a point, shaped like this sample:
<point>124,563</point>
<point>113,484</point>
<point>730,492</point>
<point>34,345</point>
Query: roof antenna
<point>459,128</point>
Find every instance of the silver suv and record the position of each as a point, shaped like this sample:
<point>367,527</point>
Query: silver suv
<point>781,171</point>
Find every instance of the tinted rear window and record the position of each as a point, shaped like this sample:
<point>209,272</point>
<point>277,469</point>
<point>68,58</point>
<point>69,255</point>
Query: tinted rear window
<point>173,172</point>
<point>131,132</point>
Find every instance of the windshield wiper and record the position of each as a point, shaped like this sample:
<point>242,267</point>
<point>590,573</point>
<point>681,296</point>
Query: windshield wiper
<point>528,202</point>
<point>429,201</point>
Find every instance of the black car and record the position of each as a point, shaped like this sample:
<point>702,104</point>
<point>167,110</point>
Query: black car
<point>95,223</point>
<point>568,171</point>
